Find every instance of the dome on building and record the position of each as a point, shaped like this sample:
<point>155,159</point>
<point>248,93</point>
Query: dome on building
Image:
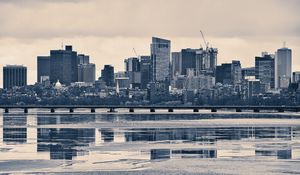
<point>58,85</point>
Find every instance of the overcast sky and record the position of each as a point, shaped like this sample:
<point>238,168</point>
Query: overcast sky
<point>107,30</point>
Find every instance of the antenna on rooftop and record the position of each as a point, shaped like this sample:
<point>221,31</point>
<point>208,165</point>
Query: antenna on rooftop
<point>62,45</point>
<point>284,44</point>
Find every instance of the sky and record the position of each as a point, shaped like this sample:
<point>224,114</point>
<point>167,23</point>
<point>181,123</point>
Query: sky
<point>109,30</point>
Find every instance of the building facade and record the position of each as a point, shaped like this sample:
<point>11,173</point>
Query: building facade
<point>283,67</point>
<point>160,59</point>
<point>107,75</point>
<point>14,75</point>
<point>265,70</point>
<point>145,71</point>
<point>86,73</point>
<point>43,68</point>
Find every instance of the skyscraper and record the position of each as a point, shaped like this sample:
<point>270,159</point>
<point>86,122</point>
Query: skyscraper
<point>63,66</point>
<point>83,59</point>
<point>86,73</point>
<point>43,68</point>
<point>133,71</point>
<point>107,75</point>
<point>236,72</point>
<point>229,73</point>
<point>283,67</point>
<point>188,60</point>
<point>145,71</point>
<point>14,75</point>
<point>265,70</point>
<point>176,64</point>
<point>160,59</point>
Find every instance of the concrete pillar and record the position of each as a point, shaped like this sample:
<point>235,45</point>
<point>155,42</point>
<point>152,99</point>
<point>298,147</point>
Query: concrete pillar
<point>196,110</point>
<point>152,110</point>
<point>170,110</point>
<point>280,110</point>
<point>52,110</point>
<point>255,110</point>
<point>111,110</point>
<point>238,110</point>
<point>25,110</point>
<point>71,110</point>
<point>93,110</point>
<point>213,110</point>
<point>131,109</point>
<point>6,110</point>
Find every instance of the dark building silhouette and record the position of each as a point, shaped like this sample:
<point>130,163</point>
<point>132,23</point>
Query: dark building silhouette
<point>223,73</point>
<point>86,73</point>
<point>83,59</point>
<point>248,72</point>
<point>63,66</point>
<point>107,75</point>
<point>133,71</point>
<point>14,75</point>
<point>145,71</point>
<point>265,70</point>
<point>188,60</point>
<point>43,68</point>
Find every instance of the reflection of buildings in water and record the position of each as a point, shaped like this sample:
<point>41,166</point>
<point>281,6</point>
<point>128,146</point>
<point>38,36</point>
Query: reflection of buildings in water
<point>14,129</point>
<point>64,119</point>
<point>184,153</point>
<point>64,143</point>
<point>279,154</point>
<point>107,134</point>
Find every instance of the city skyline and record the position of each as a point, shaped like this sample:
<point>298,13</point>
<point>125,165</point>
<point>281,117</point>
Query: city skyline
<point>109,41</point>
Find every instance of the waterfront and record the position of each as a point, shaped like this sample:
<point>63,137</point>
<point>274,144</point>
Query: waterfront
<point>144,143</point>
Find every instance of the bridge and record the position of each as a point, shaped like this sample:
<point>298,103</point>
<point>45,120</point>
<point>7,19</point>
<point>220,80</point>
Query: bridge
<point>151,108</point>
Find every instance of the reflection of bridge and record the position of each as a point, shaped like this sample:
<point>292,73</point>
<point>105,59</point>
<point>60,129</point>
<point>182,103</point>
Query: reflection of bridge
<point>152,108</point>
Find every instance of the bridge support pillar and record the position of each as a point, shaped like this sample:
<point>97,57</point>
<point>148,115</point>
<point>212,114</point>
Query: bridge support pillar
<point>238,110</point>
<point>152,110</point>
<point>213,110</point>
<point>52,110</point>
<point>112,110</point>
<point>6,110</point>
<point>25,110</point>
<point>170,110</point>
<point>196,110</point>
<point>255,110</point>
<point>280,110</point>
<point>71,110</point>
<point>93,110</point>
<point>131,109</point>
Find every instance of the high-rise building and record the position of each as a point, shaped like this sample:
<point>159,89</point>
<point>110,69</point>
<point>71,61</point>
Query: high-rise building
<point>223,73</point>
<point>63,66</point>
<point>236,72</point>
<point>176,64</point>
<point>43,68</point>
<point>229,73</point>
<point>188,60</point>
<point>248,72</point>
<point>14,75</point>
<point>145,71</point>
<point>83,59</point>
<point>107,75</point>
<point>265,70</point>
<point>296,77</point>
<point>160,59</point>
<point>133,71</point>
<point>86,73</point>
<point>283,67</point>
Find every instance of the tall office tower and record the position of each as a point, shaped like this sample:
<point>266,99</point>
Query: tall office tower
<point>296,77</point>
<point>248,72</point>
<point>43,68</point>
<point>283,67</point>
<point>63,66</point>
<point>236,72</point>
<point>188,60</point>
<point>160,59</point>
<point>14,75</point>
<point>107,75</point>
<point>210,60</point>
<point>86,73</point>
<point>176,64</point>
<point>83,59</point>
<point>229,73</point>
<point>223,73</point>
<point>265,70</point>
<point>133,71</point>
<point>145,71</point>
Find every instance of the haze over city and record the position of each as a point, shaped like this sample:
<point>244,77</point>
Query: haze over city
<point>108,31</point>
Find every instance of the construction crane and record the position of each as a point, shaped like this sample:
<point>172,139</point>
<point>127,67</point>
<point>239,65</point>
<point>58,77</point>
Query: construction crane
<point>206,43</point>
<point>138,56</point>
